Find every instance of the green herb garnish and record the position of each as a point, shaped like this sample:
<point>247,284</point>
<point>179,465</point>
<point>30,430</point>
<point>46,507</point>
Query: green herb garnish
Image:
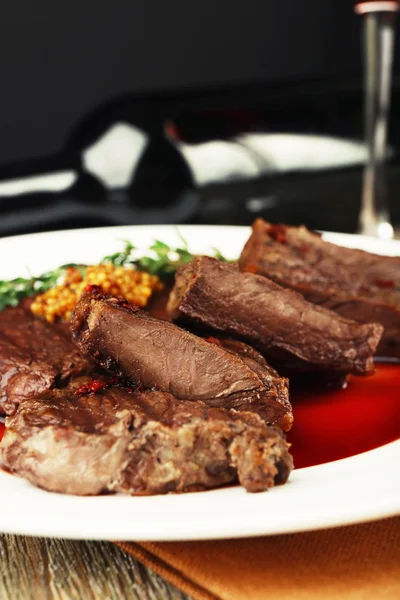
<point>12,292</point>
<point>120,258</point>
<point>159,259</point>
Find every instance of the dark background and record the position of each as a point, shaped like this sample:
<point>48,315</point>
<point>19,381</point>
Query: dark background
<point>61,60</point>
<point>70,70</point>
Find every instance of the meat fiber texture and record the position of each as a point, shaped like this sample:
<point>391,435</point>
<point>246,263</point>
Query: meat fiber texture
<point>157,354</point>
<point>279,322</point>
<point>355,284</point>
<point>139,442</point>
<point>34,356</point>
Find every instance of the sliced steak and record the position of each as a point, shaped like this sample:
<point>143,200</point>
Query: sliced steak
<point>273,402</point>
<point>356,284</point>
<point>125,340</point>
<point>144,442</point>
<point>279,322</point>
<point>34,356</point>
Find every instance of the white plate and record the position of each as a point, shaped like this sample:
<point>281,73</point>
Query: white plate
<point>360,488</point>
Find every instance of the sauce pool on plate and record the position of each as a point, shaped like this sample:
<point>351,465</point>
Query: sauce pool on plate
<point>336,424</point>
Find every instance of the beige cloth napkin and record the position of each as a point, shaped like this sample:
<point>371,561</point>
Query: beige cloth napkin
<point>350,563</point>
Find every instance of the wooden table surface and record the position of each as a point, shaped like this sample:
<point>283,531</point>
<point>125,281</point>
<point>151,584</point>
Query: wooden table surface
<point>45,569</point>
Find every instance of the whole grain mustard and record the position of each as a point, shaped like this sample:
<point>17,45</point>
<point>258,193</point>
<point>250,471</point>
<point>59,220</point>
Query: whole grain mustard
<point>59,302</point>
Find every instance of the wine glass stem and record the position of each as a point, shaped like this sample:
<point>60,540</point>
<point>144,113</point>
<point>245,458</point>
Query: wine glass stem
<point>379,33</point>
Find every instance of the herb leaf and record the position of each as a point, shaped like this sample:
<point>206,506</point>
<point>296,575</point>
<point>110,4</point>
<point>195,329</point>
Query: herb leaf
<point>120,258</point>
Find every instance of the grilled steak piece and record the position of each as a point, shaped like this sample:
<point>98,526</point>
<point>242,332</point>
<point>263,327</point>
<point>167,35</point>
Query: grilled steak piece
<point>357,285</point>
<point>279,322</point>
<point>125,340</point>
<point>273,402</point>
<point>144,442</point>
<point>34,356</point>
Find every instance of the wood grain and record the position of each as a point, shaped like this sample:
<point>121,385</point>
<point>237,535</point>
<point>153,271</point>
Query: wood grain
<point>51,569</point>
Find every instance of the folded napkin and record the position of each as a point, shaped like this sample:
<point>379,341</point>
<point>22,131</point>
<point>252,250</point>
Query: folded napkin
<point>354,562</point>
